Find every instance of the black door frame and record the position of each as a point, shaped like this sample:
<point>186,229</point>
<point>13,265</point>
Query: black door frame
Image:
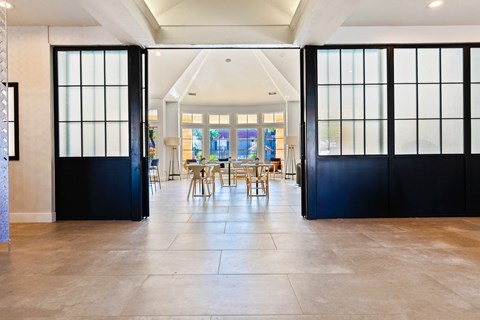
<point>105,187</point>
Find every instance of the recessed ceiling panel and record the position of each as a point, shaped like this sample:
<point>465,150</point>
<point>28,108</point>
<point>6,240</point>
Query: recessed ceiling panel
<point>223,12</point>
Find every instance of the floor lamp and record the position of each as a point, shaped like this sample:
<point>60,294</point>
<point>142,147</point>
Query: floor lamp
<point>174,163</point>
<point>290,163</point>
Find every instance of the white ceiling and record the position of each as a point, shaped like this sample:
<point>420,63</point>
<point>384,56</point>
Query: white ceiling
<point>223,12</point>
<point>249,23</point>
<point>246,80</point>
<point>48,13</point>
<point>414,13</point>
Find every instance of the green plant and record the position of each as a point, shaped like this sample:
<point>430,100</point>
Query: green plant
<point>213,157</point>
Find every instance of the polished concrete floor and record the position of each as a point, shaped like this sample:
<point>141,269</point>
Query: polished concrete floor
<point>230,258</point>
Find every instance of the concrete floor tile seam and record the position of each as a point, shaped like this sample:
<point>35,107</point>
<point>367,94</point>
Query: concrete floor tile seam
<point>459,294</point>
<point>273,240</point>
<point>171,243</point>
<point>219,262</point>
<point>295,294</point>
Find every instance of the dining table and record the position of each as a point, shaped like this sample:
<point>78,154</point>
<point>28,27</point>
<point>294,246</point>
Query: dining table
<point>231,182</point>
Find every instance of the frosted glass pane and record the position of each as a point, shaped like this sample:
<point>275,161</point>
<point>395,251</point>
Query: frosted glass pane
<point>475,64</point>
<point>352,102</point>
<point>242,119</point>
<point>405,66</point>
<point>197,118</point>
<point>93,103</point>
<point>475,136</point>
<point>376,102</point>
<point>405,101</point>
<point>329,137</point>
<point>252,118</point>
<point>11,139</point>
<point>429,136</point>
<point>116,67</point>
<point>452,100</point>
<point>405,137</point>
<point>69,67</point>
<point>328,65</point>
<point>224,119</point>
<point>92,68</point>
<point>428,65</point>
<point>375,66</point>
<point>352,137</point>
<point>475,100</point>
<point>352,66</point>
<point>429,101</point>
<point>93,139</point>
<point>117,139</point>
<point>70,144</point>
<point>69,104</point>
<point>117,103</point>
<point>452,136</point>
<point>376,137</point>
<point>11,104</point>
<point>329,102</point>
<point>452,65</point>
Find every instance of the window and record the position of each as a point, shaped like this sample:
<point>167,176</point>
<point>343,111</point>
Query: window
<point>219,143</point>
<point>93,103</point>
<point>428,100</point>
<point>247,140</point>
<point>192,118</point>
<point>13,142</point>
<point>219,119</point>
<point>247,119</point>
<point>274,117</point>
<point>274,139</point>
<point>475,87</point>
<point>192,143</point>
<point>352,102</point>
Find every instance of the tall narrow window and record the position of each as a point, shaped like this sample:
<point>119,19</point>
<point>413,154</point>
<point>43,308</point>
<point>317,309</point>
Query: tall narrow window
<point>192,145</point>
<point>219,143</point>
<point>13,135</point>
<point>247,140</point>
<point>352,102</point>
<point>93,103</point>
<point>475,88</point>
<point>274,140</point>
<point>428,100</point>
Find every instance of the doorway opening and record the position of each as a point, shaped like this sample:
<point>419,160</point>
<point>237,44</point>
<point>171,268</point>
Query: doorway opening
<point>236,110</point>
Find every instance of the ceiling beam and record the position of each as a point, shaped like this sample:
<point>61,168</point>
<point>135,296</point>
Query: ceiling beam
<point>130,21</point>
<point>316,20</point>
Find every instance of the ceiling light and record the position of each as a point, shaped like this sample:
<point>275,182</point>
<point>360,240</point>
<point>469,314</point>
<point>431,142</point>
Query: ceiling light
<point>158,54</point>
<point>228,60</point>
<point>192,94</point>
<point>272,93</point>
<point>5,4</point>
<point>435,4</point>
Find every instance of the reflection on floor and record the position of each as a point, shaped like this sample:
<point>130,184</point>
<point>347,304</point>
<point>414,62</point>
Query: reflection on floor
<point>233,258</point>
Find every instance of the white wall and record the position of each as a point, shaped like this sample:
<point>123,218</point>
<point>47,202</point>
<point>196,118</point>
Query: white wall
<point>29,59</point>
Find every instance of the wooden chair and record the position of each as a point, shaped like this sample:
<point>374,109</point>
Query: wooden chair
<point>199,180</point>
<point>275,167</point>
<point>214,170</point>
<point>257,180</point>
<point>185,166</point>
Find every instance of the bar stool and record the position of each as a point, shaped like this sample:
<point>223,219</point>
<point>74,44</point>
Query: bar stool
<point>154,174</point>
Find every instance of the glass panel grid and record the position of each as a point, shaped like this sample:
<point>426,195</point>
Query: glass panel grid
<point>93,103</point>
<point>219,143</point>
<point>192,143</point>
<point>352,101</point>
<point>475,99</point>
<point>274,143</point>
<point>428,100</point>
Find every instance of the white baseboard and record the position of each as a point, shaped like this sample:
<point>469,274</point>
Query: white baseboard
<point>38,217</point>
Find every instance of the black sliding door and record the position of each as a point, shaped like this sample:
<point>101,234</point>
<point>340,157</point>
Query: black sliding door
<point>100,165</point>
<point>392,131</point>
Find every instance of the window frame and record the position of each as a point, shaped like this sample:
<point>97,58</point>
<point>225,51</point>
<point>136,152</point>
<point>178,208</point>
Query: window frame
<point>192,127</point>
<point>16,125</point>
<point>237,140</point>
